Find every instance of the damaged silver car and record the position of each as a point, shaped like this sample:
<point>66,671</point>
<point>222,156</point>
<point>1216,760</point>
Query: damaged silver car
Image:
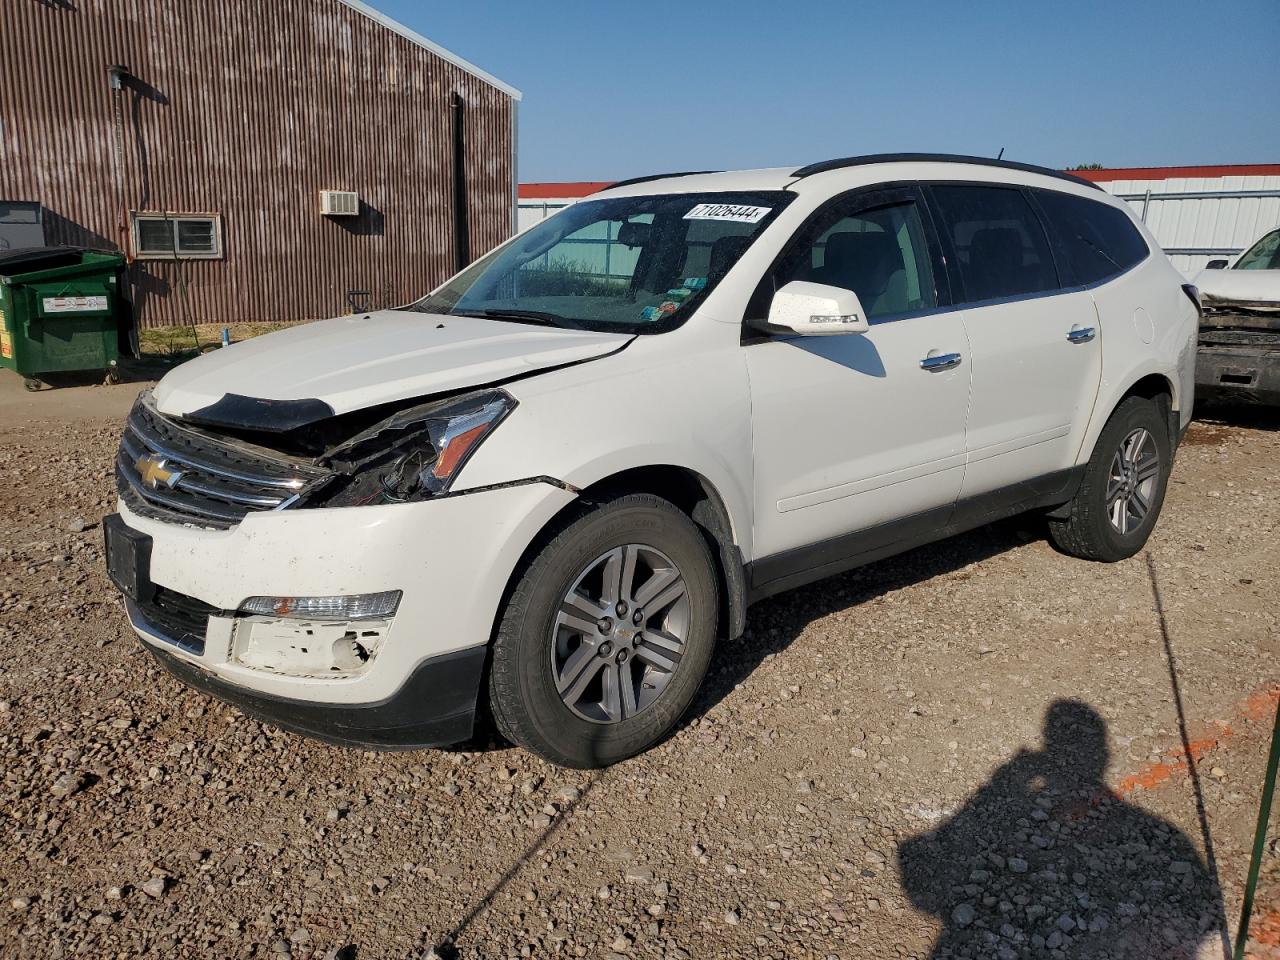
<point>1239,355</point>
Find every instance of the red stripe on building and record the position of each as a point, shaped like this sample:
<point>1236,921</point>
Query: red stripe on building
<point>556,191</point>
<point>1168,173</point>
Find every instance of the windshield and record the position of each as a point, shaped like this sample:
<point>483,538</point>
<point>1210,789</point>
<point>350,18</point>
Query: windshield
<point>1263,255</point>
<point>626,265</point>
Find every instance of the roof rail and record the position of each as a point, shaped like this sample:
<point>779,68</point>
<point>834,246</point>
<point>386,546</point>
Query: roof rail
<point>657,176</point>
<point>870,158</point>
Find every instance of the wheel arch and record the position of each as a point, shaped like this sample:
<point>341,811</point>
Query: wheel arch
<point>1151,385</point>
<point>690,492</point>
<point>698,497</point>
<point>1164,391</point>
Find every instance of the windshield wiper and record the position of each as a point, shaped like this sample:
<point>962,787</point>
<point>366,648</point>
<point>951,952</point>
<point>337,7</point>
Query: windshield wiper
<point>539,317</point>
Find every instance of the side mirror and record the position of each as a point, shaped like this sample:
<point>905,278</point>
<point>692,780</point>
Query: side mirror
<point>1216,265</point>
<point>816,310</point>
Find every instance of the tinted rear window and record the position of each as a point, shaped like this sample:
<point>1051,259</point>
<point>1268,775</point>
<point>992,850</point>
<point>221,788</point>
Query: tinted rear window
<point>1100,241</point>
<point>999,242</point>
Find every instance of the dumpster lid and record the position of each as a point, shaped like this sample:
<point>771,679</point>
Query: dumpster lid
<point>28,255</point>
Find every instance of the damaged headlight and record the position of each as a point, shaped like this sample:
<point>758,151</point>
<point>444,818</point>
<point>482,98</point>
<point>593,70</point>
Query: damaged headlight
<point>413,454</point>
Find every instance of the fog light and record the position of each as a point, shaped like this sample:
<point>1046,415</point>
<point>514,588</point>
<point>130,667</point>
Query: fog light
<point>357,606</point>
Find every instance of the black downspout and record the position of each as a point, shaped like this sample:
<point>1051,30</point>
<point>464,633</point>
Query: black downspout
<point>461,234</point>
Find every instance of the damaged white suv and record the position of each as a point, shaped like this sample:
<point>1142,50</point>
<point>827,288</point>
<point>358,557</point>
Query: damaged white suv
<point>554,482</point>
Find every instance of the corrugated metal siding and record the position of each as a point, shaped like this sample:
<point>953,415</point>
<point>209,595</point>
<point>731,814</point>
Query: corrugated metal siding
<point>1219,223</point>
<point>250,109</point>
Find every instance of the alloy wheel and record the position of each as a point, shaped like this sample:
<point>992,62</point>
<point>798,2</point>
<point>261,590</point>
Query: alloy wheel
<point>1131,481</point>
<point>619,633</point>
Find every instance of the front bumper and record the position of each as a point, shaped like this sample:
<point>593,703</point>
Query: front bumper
<point>1247,369</point>
<point>451,558</point>
<point>434,706</point>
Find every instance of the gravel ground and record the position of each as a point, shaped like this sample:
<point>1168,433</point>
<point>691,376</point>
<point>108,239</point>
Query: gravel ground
<point>974,750</point>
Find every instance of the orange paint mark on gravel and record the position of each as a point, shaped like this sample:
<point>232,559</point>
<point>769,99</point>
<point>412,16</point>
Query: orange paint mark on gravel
<point>1265,928</point>
<point>1259,706</point>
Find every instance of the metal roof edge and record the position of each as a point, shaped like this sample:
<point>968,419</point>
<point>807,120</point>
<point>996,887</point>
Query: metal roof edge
<point>413,36</point>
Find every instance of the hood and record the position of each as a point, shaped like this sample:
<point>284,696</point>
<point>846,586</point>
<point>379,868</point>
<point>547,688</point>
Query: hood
<point>1245,287</point>
<point>349,363</point>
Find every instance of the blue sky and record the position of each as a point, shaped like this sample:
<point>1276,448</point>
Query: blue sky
<point>616,89</point>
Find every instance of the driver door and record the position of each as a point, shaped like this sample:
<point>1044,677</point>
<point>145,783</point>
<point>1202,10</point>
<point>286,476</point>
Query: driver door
<point>856,444</point>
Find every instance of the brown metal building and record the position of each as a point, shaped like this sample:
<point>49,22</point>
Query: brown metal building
<point>198,137</point>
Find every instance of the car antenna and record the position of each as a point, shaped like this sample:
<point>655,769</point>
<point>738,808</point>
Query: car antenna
<point>1000,154</point>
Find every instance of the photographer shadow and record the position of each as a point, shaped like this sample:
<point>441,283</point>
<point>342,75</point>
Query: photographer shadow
<point>1044,860</point>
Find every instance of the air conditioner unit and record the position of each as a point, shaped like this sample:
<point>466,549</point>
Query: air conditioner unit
<point>339,203</point>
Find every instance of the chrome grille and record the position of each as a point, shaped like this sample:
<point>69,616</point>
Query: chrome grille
<point>172,472</point>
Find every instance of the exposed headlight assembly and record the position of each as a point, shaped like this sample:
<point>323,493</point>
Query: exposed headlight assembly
<point>413,454</point>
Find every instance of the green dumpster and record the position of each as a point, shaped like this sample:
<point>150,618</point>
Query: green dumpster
<point>61,309</point>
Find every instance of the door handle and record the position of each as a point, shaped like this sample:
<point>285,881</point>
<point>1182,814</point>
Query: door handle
<point>1081,334</point>
<point>940,361</point>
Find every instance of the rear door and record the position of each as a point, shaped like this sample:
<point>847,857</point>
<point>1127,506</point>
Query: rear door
<point>850,432</point>
<point>1036,346</point>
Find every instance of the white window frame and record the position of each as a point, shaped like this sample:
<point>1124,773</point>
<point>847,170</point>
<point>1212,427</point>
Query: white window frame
<point>136,217</point>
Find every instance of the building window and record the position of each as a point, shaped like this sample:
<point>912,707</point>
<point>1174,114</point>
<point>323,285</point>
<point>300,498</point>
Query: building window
<point>160,236</point>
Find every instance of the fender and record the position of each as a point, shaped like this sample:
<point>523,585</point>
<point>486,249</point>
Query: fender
<point>586,423</point>
<point>1112,392</point>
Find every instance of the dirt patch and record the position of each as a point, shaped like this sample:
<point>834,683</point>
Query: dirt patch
<point>1208,435</point>
<point>864,775</point>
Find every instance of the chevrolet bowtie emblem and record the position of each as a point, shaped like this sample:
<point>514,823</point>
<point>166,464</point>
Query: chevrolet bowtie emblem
<point>155,474</point>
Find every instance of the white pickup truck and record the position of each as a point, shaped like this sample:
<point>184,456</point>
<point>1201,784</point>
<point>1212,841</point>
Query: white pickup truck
<point>1239,352</point>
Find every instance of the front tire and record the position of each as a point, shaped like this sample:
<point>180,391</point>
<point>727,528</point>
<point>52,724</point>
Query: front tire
<point>607,635</point>
<point>1119,500</point>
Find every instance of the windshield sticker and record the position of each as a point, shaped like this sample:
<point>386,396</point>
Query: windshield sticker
<point>664,309</point>
<point>679,293</point>
<point>737,212</point>
<point>694,283</point>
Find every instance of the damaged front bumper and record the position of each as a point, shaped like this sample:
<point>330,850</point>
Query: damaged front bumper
<point>434,706</point>
<point>417,677</point>
<point>1239,358</point>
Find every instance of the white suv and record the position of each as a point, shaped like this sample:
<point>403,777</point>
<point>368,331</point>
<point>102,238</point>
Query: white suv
<point>554,482</point>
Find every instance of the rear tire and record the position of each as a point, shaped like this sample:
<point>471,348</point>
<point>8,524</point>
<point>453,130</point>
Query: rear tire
<point>1119,499</point>
<point>582,673</point>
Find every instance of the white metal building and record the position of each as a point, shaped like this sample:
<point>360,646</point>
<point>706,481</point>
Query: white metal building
<point>537,201</point>
<point>1199,213</point>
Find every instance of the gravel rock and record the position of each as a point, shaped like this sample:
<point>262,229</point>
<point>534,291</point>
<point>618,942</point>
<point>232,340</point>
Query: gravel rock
<point>67,784</point>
